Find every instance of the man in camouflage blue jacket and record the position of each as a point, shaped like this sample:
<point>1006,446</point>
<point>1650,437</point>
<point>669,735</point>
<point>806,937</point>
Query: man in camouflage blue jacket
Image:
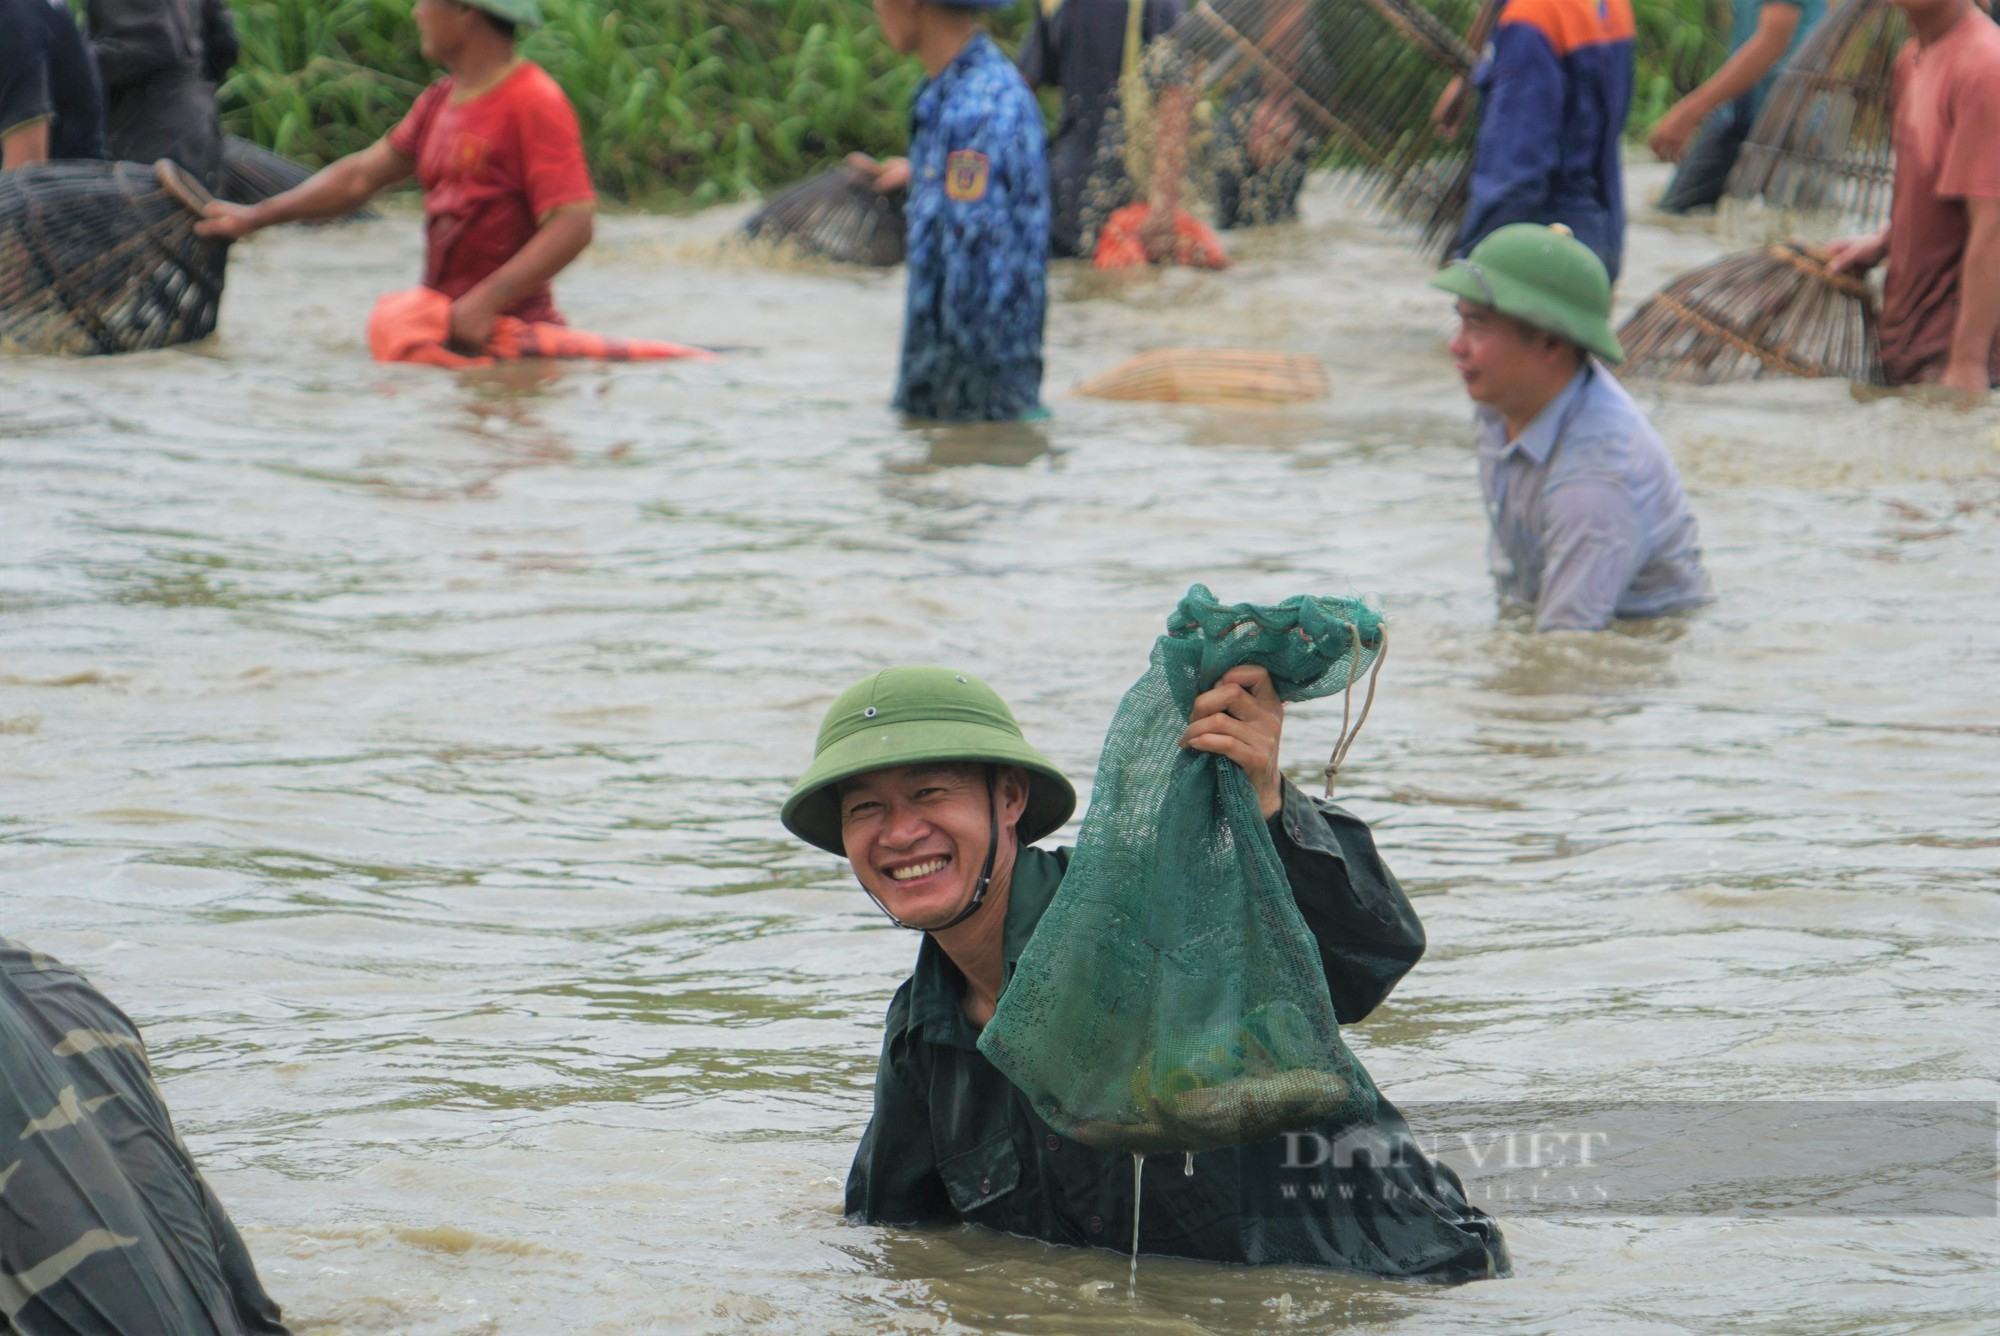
<point>977,219</point>
<point>106,1226</point>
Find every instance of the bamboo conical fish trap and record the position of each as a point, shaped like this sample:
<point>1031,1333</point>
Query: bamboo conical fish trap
<point>101,257</point>
<point>252,174</point>
<point>1774,311</point>
<point>1233,376</point>
<point>1364,74</point>
<point>837,215</point>
<point>1425,180</point>
<point>1248,51</point>
<point>1823,143</point>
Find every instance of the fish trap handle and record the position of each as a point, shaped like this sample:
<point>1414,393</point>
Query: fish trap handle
<point>1811,259</point>
<point>189,193</point>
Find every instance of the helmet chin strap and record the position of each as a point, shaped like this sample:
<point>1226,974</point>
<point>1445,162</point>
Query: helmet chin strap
<point>985,873</point>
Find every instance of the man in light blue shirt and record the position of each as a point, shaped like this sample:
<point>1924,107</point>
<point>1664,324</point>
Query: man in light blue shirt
<point>1589,520</point>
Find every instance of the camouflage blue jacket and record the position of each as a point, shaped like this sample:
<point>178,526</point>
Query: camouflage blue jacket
<point>978,247</point>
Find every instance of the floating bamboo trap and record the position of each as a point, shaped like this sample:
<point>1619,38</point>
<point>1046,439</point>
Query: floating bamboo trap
<point>1822,143</point>
<point>101,257</point>
<point>1212,376</point>
<point>1362,73</point>
<point>1775,311</point>
<point>252,174</point>
<point>837,215</point>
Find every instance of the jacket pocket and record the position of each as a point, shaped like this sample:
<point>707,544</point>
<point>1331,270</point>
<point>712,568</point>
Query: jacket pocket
<point>979,1176</point>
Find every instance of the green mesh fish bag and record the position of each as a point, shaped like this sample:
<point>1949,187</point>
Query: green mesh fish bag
<point>1172,997</point>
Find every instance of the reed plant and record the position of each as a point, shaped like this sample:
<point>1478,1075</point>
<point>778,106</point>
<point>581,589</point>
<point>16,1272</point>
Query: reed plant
<point>1679,43</point>
<point>691,101</point>
<point>698,99</point>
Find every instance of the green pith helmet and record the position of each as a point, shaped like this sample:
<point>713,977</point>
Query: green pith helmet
<point>521,13</point>
<point>907,716</point>
<point>1542,276</point>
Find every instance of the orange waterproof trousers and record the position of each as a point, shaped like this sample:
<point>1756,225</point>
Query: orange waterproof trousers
<point>415,326</point>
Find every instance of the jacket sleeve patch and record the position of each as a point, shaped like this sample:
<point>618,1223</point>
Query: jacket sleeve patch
<point>966,172</point>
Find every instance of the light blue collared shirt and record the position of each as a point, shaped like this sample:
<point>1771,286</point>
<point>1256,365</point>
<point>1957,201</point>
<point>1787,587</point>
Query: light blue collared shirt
<point>1589,520</point>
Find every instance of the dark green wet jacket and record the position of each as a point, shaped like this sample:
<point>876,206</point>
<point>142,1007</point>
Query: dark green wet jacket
<point>952,1137</point>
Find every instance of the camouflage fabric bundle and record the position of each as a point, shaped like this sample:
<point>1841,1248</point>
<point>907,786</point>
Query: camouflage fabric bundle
<point>110,1229</point>
<point>1172,997</point>
<point>101,257</point>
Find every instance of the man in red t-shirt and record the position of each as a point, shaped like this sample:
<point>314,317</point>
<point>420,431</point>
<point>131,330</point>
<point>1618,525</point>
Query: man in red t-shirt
<point>507,197</point>
<point>1941,299</point>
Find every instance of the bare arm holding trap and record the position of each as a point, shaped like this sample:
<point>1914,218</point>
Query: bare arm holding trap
<point>335,190</point>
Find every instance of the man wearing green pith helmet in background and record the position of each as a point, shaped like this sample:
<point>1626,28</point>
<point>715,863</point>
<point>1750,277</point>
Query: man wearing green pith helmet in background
<point>922,779</point>
<point>1589,519</point>
<point>495,145</point>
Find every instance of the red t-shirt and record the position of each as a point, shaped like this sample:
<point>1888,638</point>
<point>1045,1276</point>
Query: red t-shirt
<point>492,167</point>
<point>1947,136</point>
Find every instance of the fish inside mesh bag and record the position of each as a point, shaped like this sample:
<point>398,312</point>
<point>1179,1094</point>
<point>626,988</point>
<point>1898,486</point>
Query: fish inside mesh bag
<point>1172,997</point>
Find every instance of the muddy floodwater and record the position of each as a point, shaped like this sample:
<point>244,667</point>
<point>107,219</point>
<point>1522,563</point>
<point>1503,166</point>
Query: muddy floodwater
<point>403,751</point>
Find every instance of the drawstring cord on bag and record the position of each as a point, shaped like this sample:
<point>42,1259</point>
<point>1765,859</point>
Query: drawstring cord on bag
<point>1346,739</point>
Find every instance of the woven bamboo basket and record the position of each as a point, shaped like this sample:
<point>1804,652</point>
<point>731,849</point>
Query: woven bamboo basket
<point>101,257</point>
<point>1774,311</point>
<point>252,174</point>
<point>837,215</point>
<point>1427,184</point>
<point>1232,376</point>
<point>1822,143</point>
<point>1245,53</point>
<point>1362,74</point>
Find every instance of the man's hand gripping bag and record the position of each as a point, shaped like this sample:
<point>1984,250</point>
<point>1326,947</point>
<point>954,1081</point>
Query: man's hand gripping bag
<point>1172,998</point>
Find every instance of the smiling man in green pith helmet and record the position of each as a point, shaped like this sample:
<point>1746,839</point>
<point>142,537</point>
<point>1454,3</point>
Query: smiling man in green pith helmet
<point>1589,519</point>
<point>508,202</point>
<point>922,779</point>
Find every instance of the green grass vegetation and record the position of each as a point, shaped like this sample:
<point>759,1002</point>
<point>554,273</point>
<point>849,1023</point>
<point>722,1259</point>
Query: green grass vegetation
<point>694,101</point>
<point>1680,43</point>
<point>697,100</point>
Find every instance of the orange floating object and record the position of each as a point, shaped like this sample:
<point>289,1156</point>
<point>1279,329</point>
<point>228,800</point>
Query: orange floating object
<point>1119,245</point>
<point>414,325</point>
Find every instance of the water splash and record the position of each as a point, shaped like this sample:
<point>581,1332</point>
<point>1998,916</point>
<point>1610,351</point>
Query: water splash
<point>1138,1186</point>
